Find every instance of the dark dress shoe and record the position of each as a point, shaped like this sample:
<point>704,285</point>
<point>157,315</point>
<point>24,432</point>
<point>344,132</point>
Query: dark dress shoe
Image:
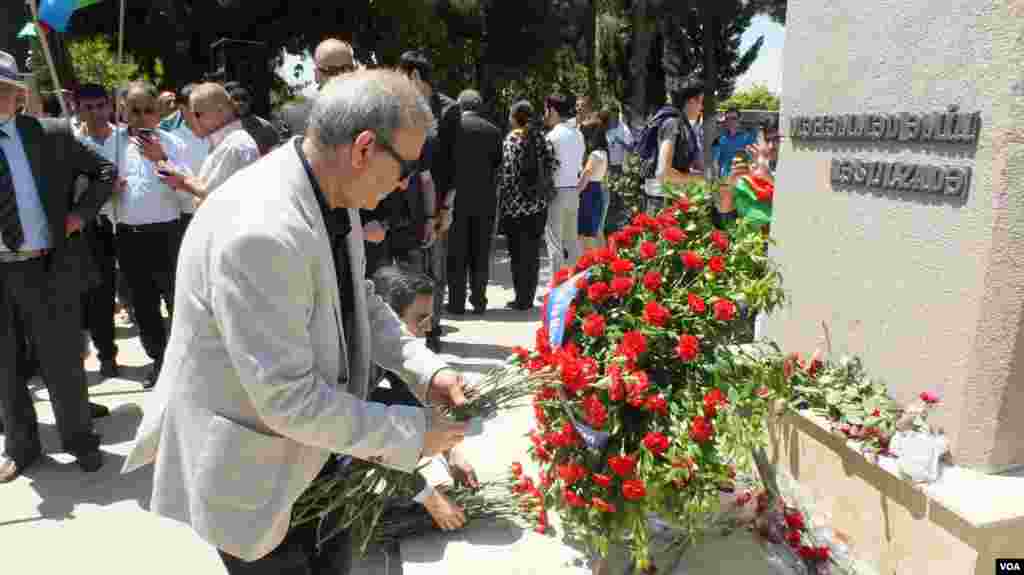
<point>519,306</point>
<point>109,368</point>
<point>98,410</point>
<point>452,310</point>
<point>91,461</point>
<point>11,469</point>
<point>151,377</point>
<point>434,343</point>
<point>479,309</point>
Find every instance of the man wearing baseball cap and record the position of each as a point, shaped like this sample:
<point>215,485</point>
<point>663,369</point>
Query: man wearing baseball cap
<point>45,266</point>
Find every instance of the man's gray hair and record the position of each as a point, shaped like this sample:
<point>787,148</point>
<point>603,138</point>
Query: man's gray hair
<point>470,100</point>
<point>380,101</point>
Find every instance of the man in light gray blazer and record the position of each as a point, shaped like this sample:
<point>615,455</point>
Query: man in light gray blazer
<point>267,369</point>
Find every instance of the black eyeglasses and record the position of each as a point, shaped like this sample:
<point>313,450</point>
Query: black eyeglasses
<point>405,167</point>
<point>331,71</point>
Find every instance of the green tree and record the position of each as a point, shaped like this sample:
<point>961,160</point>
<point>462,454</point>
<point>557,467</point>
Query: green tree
<point>94,61</point>
<point>757,97</point>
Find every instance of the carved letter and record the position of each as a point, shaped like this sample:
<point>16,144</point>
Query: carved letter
<point>805,127</point>
<point>817,127</point>
<point>898,176</point>
<point>910,127</point>
<point>841,126</point>
<point>877,126</point>
<point>965,131</point>
<point>944,133</point>
<point>877,175</point>
<point>956,181</point>
<point>928,127</point>
<point>794,127</point>
<point>892,127</point>
<point>835,170</point>
<point>845,172</point>
<point>829,129</point>
<point>860,172</point>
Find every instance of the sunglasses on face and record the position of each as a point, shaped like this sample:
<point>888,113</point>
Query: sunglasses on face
<point>405,167</point>
<point>331,71</point>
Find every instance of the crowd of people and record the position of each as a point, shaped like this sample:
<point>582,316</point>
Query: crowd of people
<point>257,237</point>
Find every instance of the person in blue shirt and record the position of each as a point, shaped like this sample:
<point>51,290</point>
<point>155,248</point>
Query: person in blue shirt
<point>730,141</point>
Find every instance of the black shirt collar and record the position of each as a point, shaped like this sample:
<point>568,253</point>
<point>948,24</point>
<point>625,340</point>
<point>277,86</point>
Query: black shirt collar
<point>336,220</point>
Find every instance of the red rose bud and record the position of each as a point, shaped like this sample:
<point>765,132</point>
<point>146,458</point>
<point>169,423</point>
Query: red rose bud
<point>716,264</point>
<point>633,344</point>
<point>673,235</point>
<point>560,277</point>
<point>692,260</point>
<point>725,310</point>
<point>656,314</point>
<point>929,397</point>
<point>822,553</point>
<point>808,552</point>
<point>571,472</point>
<point>602,480</point>
<point>633,489</point>
<point>795,520</point>
<point>712,400</point>
<point>517,469</point>
<point>655,442</point>
<point>622,286</point>
<point>696,303</point>
<point>602,505</point>
<point>652,280</point>
<point>793,538</point>
<point>720,240</point>
<point>572,499</point>
<point>598,292</point>
<point>688,347</point>
<point>622,465</point>
<point>620,267</point>
<point>593,325</point>
<point>648,250</point>
<point>701,430</point>
<point>657,404</point>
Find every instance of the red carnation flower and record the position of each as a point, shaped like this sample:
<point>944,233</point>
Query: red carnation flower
<point>793,538</point>
<point>652,280</point>
<point>594,325</point>
<point>725,310</point>
<point>682,204</point>
<point>622,286</point>
<point>594,412</point>
<point>701,430</point>
<point>622,465</point>
<point>822,553</point>
<point>656,442</point>
<point>602,480</point>
<point>688,347</point>
<point>585,261</point>
<point>712,400</point>
<point>673,235</point>
<point>637,388</point>
<point>692,260</point>
<point>808,552</point>
<point>633,489</point>
<point>598,292</point>
<point>929,397</point>
<point>656,314</point>
<point>720,240</point>
<point>602,505</point>
<point>571,472</point>
<point>620,267</point>
<point>560,277</point>
<point>657,404</point>
<point>572,499</point>
<point>795,520</point>
<point>696,303</point>
<point>521,352</point>
<point>617,388</point>
<point>648,250</point>
<point>716,264</point>
<point>517,469</point>
<point>582,284</point>
<point>633,344</point>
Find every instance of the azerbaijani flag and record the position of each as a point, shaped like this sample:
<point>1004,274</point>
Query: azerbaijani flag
<point>57,13</point>
<point>753,197</point>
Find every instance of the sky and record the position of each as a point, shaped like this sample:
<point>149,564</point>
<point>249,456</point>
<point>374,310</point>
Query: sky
<point>766,70</point>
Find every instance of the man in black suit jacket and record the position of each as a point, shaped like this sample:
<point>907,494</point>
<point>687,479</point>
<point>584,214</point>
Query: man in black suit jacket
<point>45,266</point>
<point>478,149</point>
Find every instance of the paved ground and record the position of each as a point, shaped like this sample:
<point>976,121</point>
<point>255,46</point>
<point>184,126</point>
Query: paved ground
<point>57,519</point>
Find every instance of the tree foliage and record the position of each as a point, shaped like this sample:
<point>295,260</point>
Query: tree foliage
<point>95,62</point>
<point>757,97</point>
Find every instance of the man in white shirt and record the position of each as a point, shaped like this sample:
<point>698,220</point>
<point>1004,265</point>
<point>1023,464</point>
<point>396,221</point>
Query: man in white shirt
<point>231,146</point>
<point>563,211</point>
<point>148,212</point>
<point>196,146</point>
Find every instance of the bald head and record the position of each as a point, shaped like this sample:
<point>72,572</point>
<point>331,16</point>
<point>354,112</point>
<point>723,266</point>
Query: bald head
<point>331,58</point>
<point>212,108</point>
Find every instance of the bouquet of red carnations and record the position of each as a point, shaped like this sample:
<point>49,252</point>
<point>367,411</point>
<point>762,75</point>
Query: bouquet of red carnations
<point>646,407</point>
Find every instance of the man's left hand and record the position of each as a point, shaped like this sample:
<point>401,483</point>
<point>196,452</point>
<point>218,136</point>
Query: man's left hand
<point>72,224</point>
<point>150,148</point>
<point>446,387</point>
<point>460,468</point>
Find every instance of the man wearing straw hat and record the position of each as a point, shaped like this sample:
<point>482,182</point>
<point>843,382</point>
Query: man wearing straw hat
<point>44,269</point>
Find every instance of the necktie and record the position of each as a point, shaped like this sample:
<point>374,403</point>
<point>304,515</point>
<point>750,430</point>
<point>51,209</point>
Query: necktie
<point>10,226</point>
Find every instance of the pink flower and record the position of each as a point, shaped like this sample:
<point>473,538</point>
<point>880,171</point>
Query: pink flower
<point>929,397</point>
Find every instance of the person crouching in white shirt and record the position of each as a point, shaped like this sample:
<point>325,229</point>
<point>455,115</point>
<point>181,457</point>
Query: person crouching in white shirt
<point>148,213</point>
<point>231,147</point>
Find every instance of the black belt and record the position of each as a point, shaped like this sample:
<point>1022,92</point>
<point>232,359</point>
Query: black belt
<point>128,228</point>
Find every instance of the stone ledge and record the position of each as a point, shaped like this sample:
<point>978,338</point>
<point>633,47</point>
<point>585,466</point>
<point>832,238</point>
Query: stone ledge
<point>967,518</point>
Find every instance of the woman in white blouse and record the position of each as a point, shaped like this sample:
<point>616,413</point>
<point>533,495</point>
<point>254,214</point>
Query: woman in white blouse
<point>593,196</point>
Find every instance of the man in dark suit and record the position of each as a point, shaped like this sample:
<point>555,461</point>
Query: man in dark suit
<point>478,149</point>
<point>45,267</point>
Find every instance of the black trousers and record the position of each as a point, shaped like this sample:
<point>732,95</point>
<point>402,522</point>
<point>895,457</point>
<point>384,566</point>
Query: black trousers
<point>469,253</point>
<point>297,555</point>
<point>525,235</point>
<point>98,302</point>
<point>148,257</point>
<point>50,315</point>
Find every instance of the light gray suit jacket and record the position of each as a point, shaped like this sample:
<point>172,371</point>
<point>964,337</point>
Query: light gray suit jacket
<point>259,383</point>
